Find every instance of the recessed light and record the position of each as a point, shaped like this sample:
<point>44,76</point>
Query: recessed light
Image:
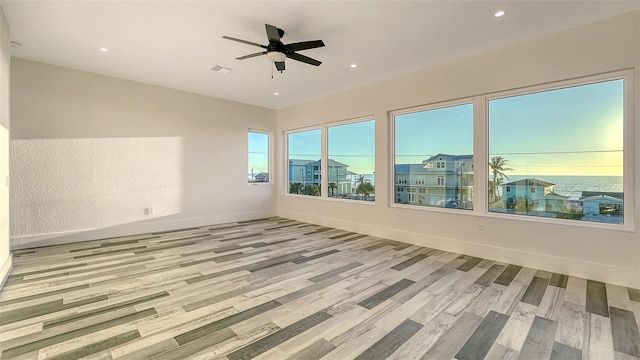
<point>276,93</point>
<point>499,13</point>
<point>104,50</point>
<point>353,66</point>
<point>221,69</point>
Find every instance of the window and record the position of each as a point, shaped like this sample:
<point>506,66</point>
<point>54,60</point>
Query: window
<point>351,163</point>
<point>304,158</point>
<point>567,142</point>
<point>431,137</point>
<point>258,150</point>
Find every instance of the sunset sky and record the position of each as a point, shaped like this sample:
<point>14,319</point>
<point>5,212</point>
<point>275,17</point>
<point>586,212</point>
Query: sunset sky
<point>570,131</point>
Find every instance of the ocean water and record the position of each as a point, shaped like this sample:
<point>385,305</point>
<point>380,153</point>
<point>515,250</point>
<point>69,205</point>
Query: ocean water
<point>573,186</point>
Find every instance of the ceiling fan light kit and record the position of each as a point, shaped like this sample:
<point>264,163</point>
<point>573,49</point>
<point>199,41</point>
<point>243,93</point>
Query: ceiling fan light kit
<point>278,52</point>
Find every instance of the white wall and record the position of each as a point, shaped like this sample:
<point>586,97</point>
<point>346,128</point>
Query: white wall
<point>5,53</point>
<point>89,153</point>
<point>612,256</point>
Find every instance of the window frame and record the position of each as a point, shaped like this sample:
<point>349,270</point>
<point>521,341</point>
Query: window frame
<point>627,147</point>
<point>270,149</point>
<point>324,150</point>
<point>285,185</point>
<point>473,101</point>
<point>326,154</point>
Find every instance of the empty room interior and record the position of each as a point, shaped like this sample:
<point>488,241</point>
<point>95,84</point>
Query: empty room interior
<point>320,180</point>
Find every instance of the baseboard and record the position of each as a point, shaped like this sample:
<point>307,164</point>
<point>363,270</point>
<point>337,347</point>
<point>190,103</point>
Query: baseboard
<point>30,241</point>
<point>5,270</point>
<point>588,270</point>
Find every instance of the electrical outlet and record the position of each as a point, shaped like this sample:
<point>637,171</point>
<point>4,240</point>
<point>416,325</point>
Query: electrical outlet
<point>480,228</point>
<point>148,211</point>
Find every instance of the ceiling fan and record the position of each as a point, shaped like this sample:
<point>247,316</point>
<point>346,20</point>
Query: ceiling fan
<point>277,52</point>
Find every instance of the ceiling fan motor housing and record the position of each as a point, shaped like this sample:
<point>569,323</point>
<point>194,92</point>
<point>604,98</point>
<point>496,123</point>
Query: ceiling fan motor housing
<point>276,56</point>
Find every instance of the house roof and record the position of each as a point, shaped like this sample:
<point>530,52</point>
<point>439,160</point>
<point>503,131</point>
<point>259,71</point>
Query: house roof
<point>332,163</point>
<point>552,194</point>
<point>299,162</point>
<point>602,199</point>
<point>449,157</point>
<point>530,182</point>
<point>586,194</point>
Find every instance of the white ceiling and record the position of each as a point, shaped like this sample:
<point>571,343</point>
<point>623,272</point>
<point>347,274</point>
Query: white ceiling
<point>176,43</point>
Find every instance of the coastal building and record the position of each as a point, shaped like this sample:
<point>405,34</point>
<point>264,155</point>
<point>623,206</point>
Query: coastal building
<point>532,195</point>
<point>602,203</point>
<point>336,171</point>
<point>261,177</point>
<point>308,172</point>
<point>297,171</point>
<point>442,180</point>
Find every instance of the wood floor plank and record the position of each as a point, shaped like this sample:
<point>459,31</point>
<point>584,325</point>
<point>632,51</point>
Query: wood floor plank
<point>391,341</point>
<point>276,288</point>
<point>539,342</point>
<point>270,341</point>
<point>481,340</point>
<point>625,333</point>
<point>597,298</point>
<point>452,341</point>
<point>314,351</point>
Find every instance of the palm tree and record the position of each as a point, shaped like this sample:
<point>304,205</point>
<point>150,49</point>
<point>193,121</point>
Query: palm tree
<point>498,167</point>
<point>295,188</point>
<point>365,188</point>
<point>332,187</point>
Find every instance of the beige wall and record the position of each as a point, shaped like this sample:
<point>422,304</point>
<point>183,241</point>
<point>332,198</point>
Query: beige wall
<point>5,53</point>
<point>606,255</point>
<point>89,153</point>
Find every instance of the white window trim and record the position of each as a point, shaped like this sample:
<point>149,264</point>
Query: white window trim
<point>285,162</point>
<point>326,156</point>
<point>324,138</point>
<point>628,149</point>
<point>270,149</point>
<point>392,168</point>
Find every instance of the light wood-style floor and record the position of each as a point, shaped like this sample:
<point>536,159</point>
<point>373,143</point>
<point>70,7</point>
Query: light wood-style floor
<point>281,289</point>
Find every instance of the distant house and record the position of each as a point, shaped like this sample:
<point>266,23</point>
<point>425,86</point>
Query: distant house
<point>586,194</point>
<point>441,180</point>
<point>337,172</point>
<point>261,177</point>
<point>297,171</point>
<point>308,172</point>
<point>538,195</point>
<point>602,205</point>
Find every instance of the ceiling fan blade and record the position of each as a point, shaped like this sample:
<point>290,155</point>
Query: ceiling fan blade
<point>251,55</point>
<point>304,59</point>
<point>272,33</point>
<point>279,65</point>
<point>305,45</point>
<point>244,41</point>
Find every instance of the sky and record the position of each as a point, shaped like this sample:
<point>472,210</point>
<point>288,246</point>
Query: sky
<point>570,131</point>
<point>420,135</point>
<point>258,153</point>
